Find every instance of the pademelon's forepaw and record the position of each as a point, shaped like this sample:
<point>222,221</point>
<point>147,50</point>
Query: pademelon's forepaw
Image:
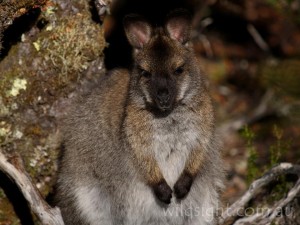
<point>163,192</point>
<point>183,185</point>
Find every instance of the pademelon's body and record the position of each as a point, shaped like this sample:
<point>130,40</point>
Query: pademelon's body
<point>135,155</point>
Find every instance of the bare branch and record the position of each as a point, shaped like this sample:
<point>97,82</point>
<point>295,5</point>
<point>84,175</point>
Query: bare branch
<point>258,38</point>
<point>198,35</point>
<point>249,219</point>
<point>263,108</point>
<point>271,214</point>
<point>234,210</point>
<point>14,168</point>
<point>281,204</point>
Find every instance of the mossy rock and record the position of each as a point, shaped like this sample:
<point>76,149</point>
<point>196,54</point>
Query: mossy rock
<point>38,76</point>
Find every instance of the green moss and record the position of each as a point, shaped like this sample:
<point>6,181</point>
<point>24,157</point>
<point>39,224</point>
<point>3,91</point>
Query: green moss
<point>70,45</point>
<point>279,148</point>
<point>276,151</point>
<point>252,169</point>
<point>280,190</point>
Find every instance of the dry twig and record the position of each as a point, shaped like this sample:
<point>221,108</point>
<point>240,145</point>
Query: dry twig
<point>269,214</point>
<point>14,168</point>
<point>258,38</point>
<point>264,107</point>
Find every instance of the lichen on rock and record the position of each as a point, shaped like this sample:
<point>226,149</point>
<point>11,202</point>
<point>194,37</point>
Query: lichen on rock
<point>18,84</point>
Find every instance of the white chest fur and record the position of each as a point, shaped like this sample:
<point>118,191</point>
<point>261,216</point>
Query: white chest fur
<point>173,139</point>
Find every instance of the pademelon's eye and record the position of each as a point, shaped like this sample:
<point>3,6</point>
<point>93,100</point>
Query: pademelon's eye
<point>179,70</point>
<point>144,73</point>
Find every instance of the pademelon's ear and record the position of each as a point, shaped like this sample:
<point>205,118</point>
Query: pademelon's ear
<point>178,25</point>
<point>138,30</point>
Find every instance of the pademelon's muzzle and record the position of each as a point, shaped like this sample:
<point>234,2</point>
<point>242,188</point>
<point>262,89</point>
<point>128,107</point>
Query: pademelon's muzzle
<point>164,99</point>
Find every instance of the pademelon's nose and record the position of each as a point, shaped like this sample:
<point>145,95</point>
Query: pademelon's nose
<point>163,95</point>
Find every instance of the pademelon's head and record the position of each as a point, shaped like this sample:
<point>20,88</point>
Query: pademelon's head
<point>162,68</point>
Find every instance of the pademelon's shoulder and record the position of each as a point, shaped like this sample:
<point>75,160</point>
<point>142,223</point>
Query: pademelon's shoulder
<point>106,99</point>
<point>114,87</point>
<point>119,75</point>
<point>110,98</point>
